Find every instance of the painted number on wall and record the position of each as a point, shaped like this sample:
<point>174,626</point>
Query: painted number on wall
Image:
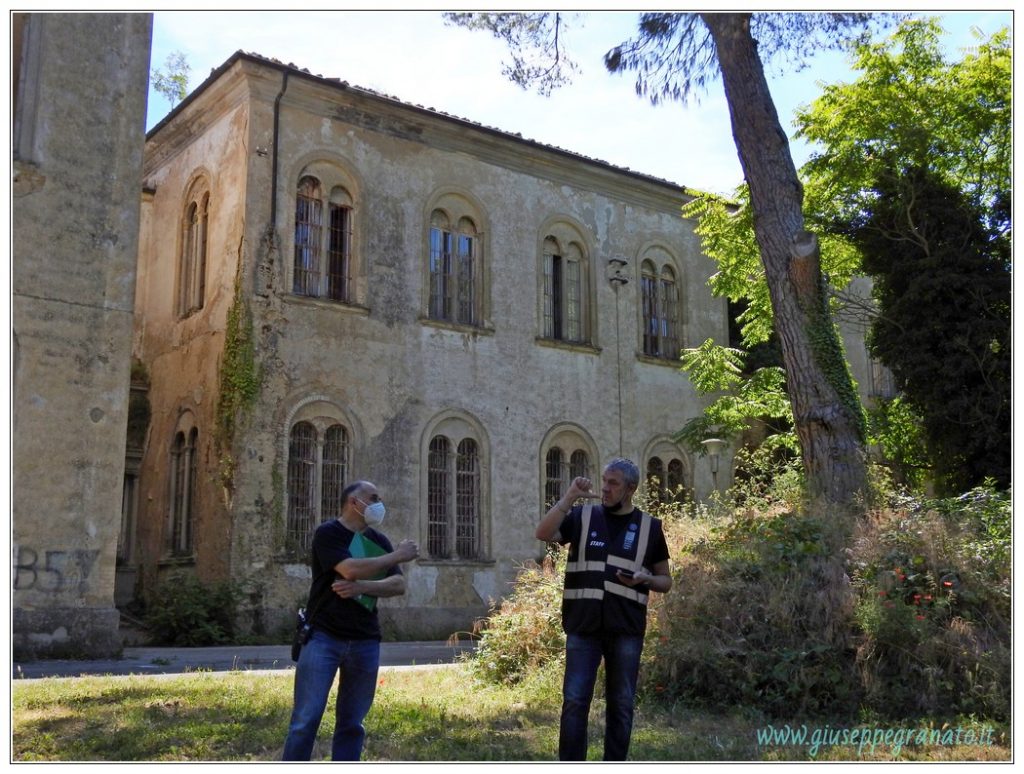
<point>54,570</point>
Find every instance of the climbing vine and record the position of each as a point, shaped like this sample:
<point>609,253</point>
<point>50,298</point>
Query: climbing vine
<point>239,379</point>
<point>828,354</point>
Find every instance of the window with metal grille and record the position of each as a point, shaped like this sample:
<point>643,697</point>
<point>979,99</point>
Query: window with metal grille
<point>315,239</point>
<point>559,473</point>
<point>334,471</point>
<point>308,230</point>
<point>192,262</point>
<point>563,292</point>
<point>317,472</point>
<point>659,298</point>
<point>554,465</point>
<point>674,479</point>
<point>302,454</point>
<point>453,270</point>
<point>183,481</point>
<point>666,483</point>
<point>467,500</point>
<point>339,253</point>
<point>656,477</point>
<point>438,497</point>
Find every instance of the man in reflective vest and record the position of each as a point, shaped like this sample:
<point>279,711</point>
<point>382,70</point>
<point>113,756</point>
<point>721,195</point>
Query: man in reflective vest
<point>617,556</point>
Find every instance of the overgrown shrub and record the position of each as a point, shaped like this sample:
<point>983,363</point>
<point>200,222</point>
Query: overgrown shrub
<point>934,606</point>
<point>184,611</point>
<point>524,631</point>
<point>788,612</point>
<point>758,617</point>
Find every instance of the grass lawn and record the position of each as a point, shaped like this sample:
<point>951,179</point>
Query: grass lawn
<point>419,715</point>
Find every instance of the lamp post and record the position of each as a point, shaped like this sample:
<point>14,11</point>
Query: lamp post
<point>714,448</point>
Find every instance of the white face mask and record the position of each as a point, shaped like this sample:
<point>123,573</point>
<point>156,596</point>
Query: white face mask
<point>373,514</point>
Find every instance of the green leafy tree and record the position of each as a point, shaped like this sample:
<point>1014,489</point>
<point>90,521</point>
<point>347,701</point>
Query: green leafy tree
<point>172,82</point>
<point>915,166</point>
<point>911,107</point>
<point>943,284</point>
<point>676,56</point>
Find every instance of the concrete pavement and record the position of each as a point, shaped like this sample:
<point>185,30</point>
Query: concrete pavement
<point>157,661</point>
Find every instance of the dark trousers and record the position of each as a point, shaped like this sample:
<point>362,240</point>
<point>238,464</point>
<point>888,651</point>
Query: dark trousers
<point>583,654</point>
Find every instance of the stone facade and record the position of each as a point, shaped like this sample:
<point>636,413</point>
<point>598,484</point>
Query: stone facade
<point>79,87</point>
<point>477,315</point>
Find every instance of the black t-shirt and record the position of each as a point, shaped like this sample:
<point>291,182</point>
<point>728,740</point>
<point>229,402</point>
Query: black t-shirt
<point>657,548</point>
<point>345,619</point>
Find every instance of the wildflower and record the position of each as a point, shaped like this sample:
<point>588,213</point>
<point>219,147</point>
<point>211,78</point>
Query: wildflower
<point>881,593</point>
<point>919,617</point>
<point>948,584</point>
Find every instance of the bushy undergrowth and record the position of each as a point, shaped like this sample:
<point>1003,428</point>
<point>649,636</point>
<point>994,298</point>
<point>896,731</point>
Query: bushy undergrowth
<point>934,606</point>
<point>524,631</point>
<point>184,611</point>
<point>792,611</point>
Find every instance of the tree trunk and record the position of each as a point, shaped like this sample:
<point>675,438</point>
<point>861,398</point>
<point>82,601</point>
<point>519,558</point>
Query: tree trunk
<point>826,410</point>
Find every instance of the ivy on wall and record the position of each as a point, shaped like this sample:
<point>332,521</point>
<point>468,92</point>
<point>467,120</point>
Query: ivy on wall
<point>240,380</point>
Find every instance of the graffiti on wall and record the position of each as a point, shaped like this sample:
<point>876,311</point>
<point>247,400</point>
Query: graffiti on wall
<point>53,571</point>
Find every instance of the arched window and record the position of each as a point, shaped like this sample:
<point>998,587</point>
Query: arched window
<point>323,257</point>
<point>565,308</point>
<point>192,261</point>
<point>456,524</point>
<point>318,459</point>
<point>667,478</point>
<point>181,518</point>
<point>567,454</point>
<point>659,303</point>
<point>455,275</point>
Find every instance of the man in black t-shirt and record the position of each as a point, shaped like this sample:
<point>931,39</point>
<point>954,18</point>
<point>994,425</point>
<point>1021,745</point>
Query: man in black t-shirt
<point>617,556</point>
<point>353,564</point>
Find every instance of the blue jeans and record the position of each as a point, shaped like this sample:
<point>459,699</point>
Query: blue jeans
<point>321,658</point>
<point>583,654</point>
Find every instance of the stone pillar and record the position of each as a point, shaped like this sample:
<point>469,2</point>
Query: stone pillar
<point>81,84</point>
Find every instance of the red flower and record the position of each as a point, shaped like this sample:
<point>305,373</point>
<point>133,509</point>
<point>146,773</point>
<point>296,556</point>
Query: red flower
<point>947,584</point>
<point>919,617</point>
<point>881,593</point>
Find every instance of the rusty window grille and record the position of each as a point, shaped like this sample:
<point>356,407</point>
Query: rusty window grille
<point>554,465</point>
<point>467,500</point>
<point>563,293</point>
<point>668,345</point>
<point>579,465</point>
<point>440,273</point>
<point>656,478</point>
<point>466,279</point>
<point>675,481</point>
<point>339,253</point>
<point>308,230</point>
<point>648,293</point>
<point>302,463</point>
<point>438,497</point>
<point>335,468</point>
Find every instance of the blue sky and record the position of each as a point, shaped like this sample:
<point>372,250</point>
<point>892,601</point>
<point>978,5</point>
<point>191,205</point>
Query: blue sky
<point>414,56</point>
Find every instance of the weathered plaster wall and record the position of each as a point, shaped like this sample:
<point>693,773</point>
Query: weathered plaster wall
<point>183,355</point>
<point>378,362</point>
<point>78,118</point>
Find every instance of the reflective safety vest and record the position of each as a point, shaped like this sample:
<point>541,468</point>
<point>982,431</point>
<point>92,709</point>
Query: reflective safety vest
<point>594,601</point>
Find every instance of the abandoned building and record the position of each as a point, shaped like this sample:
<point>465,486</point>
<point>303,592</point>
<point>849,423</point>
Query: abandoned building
<point>334,284</point>
<point>329,284</point>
